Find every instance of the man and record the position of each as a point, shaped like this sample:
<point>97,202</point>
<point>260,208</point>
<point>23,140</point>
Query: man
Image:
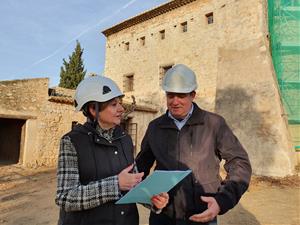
<point>187,137</point>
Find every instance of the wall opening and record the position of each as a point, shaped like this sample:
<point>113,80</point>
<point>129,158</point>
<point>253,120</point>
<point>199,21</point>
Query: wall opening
<point>128,81</point>
<point>162,71</point>
<point>11,140</point>
<point>184,26</point>
<point>210,18</point>
<point>162,34</point>
<point>127,46</point>
<point>143,40</point>
<point>131,129</point>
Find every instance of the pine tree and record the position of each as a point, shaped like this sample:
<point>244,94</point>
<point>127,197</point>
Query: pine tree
<point>72,72</point>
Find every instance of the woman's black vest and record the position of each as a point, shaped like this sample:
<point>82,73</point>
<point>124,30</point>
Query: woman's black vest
<point>98,159</point>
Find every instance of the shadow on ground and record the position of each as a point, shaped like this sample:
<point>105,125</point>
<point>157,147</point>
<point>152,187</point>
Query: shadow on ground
<point>238,216</point>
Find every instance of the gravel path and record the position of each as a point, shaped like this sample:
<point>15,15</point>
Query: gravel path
<point>27,198</point>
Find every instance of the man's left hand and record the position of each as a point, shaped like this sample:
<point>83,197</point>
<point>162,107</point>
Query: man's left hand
<point>212,211</point>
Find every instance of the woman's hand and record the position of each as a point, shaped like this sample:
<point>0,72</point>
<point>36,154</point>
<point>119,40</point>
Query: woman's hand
<point>161,200</point>
<point>128,180</point>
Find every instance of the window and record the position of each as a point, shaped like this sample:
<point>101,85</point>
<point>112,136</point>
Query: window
<point>128,82</point>
<point>210,18</point>
<point>162,34</point>
<point>127,46</point>
<point>184,26</point>
<point>163,70</point>
<point>143,41</point>
<point>131,129</point>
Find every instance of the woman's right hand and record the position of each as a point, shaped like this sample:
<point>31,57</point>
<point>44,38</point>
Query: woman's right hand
<point>128,180</point>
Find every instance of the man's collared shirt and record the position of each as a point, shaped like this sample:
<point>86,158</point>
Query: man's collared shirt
<point>181,123</point>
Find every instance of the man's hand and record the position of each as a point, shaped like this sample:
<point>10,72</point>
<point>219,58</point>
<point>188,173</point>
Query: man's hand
<point>128,180</point>
<point>161,200</point>
<point>212,211</point>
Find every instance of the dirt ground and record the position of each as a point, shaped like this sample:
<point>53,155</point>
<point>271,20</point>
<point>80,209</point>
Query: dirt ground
<point>27,198</point>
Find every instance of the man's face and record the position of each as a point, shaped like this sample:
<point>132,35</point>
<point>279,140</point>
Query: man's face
<point>179,104</point>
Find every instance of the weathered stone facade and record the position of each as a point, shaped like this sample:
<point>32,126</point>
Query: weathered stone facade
<point>46,118</point>
<point>45,115</point>
<point>231,58</point>
<point>140,118</point>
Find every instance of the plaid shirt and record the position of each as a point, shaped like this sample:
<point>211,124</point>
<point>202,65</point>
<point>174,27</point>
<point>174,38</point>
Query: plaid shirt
<point>71,194</point>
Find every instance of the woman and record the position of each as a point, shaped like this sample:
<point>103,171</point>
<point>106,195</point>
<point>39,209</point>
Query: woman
<point>95,165</point>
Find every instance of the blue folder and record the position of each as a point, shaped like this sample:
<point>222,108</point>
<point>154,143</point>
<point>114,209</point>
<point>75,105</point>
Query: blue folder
<point>159,181</point>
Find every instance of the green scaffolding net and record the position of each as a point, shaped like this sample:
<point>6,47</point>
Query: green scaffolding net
<point>284,27</point>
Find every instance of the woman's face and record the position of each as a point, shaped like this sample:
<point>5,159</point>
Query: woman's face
<point>111,115</point>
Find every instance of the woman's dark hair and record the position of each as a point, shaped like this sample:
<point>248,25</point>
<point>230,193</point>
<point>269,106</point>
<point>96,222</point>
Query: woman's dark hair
<point>92,104</point>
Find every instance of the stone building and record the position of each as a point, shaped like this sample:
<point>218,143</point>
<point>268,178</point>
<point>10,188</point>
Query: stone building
<point>33,118</point>
<point>226,42</point>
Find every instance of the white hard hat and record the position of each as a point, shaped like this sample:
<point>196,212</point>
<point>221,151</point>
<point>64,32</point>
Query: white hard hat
<point>179,79</point>
<point>96,88</point>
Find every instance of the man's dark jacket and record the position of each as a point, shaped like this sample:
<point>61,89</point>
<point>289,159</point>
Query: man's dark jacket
<point>200,145</point>
<point>97,160</point>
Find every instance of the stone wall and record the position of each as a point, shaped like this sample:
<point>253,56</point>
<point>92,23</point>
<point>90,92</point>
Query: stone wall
<point>56,120</point>
<point>24,95</point>
<point>142,119</point>
<point>251,105</point>
<point>45,123</point>
<point>196,45</point>
<point>233,65</point>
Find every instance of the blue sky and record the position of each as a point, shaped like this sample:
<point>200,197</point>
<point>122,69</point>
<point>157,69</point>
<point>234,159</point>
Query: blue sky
<point>35,35</point>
